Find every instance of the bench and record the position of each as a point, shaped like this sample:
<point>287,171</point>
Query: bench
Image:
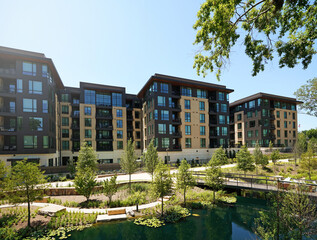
<point>116,212</point>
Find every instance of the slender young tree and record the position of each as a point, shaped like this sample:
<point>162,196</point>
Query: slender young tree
<point>185,178</point>
<point>271,146</point>
<point>150,158</point>
<point>275,156</point>
<point>110,187</point>
<point>128,161</point>
<point>308,162</point>
<point>258,157</point>
<point>245,161</point>
<point>26,184</point>
<point>162,184</point>
<point>214,179</point>
<point>219,157</point>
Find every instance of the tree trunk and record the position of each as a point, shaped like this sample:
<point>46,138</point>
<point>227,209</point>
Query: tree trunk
<point>137,207</point>
<point>29,207</point>
<point>162,207</point>
<point>130,183</point>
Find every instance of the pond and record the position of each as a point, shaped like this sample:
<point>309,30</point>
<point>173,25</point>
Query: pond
<point>219,223</point>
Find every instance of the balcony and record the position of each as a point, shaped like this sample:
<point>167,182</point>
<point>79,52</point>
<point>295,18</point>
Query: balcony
<point>7,70</point>
<point>104,127</point>
<point>7,129</point>
<point>75,126</point>
<point>176,94</point>
<point>175,107</point>
<point>8,91</point>
<point>103,116</point>
<point>9,148</point>
<point>106,106</point>
<point>130,128</point>
<point>176,121</point>
<point>101,137</point>
<point>212,99</point>
<point>176,147</point>
<point>104,148</point>
<point>177,134</point>
<point>7,110</point>
<point>75,137</point>
<point>75,114</point>
<point>129,117</point>
<point>272,127</point>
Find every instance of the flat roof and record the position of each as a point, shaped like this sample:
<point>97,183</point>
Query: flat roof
<point>101,87</point>
<point>181,82</point>
<point>264,95</point>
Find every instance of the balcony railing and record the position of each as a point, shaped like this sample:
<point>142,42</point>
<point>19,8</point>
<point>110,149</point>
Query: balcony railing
<point>10,148</point>
<point>7,110</point>
<point>176,120</point>
<point>104,126</point>
<point>177,134</point>
<point>8,90</point>
<point>100,137</point>
<point>8,71</point>
<point>103,115</point>
<point>7,129</point>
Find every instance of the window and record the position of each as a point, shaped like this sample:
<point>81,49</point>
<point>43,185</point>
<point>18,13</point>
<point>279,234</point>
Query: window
<point>29,68</point>
<point>165,142</point>
<point>45,106</point>
<point>65,97</point>
<point>103,99</point>
<point>119,124</point>
<point>250,134</point>
<point>36,123</point>
<point>278,123</point>
<point>44,70</point>
<point>117,99</point>
<point>65,121</point>
<point>188,142</point>
<point>90,96</point>
<point>252,104</point>
<point>285,115</point>
<point>256,113</point>
<point>29,105</point>
<point>19,85</point>
<point>65,133</point>
<point>294,117</point>
<point>162,128</point>
<point>203,142</point>
<point>239,125</point>
<point>264,132</point>
<point>119,112</point>
<point>202,118</point>
<point>285,133</point>
<point>87,133</point>
<point>285,124</point>
<point>256,133</point>
<point>264,112</point>
<point>119,144</point>
<point>30,142</point>
<point>119,134</point>
<point>223,107</point>
<point>201,93</point>
<point>202,106</point>
<point>155,114</point>
<point>224,131</point>
<point>222,119</point>
<point>239,134</point>
<point>35,87</point>
<point>294,125</point>
<point>278,133</point>
<point>87,122</point>
<point>187,104</point>
<point>294,134</point>
<point>187,130</point>
<point>252,124</point>
<point>202,130</point>
<point>278,114</point>
<point>239,117</point>
<point>89,143</point>
<point>45,142</point>
<point>249,114</point>
<point>221,96</point>
<point>65,109</point>
<point>187,117</point>
<point>186,91</point>
<point>293,107</point>
<point>164,88</point>
<point>164,115</point>
<point>87,111</point>
<point>65,145</point>
<point>161,101</point>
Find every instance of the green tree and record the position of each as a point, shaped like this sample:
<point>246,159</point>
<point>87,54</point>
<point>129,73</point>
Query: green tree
<point>271,146</point>
<point>245,161</point>
<point>275,156</point>
<point>138,197</point>
<point>86,170</point>
<point>26,184</point>
<point>214,179</point>
<point>128,161</point>
<point>312,144</point>
<point>308,94</point>
<point>268,27</point>
<point>259,159</point>
<point>219,157</point>
<point>110,187</point>
<point>184,178</point>
<point>311,133</point>
<point>3,177</point>
<point>308,162</point>
<point>162,184</point>
<point>151,158</point>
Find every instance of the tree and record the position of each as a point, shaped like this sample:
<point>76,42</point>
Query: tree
<point>214,179</point>
<point>311,133</point>
<point>312,144</point>
<point>151,158</point>
<point>271,146</point>
<point>162,184</point>
<point>275,156</point>
<point>86,170</point>
<point>300,146</point>
<point>259,159</point>
<point>185,178</point>
<point>128,161</point>
<point>3,177</point>
<point>219,157</point>
<point>308,94</point>
<point>268,27</point>
<point>138,197</point>
<point>110,187</point>
<point>245,161</point>
<point>308,162</point>
<point>26,184</point>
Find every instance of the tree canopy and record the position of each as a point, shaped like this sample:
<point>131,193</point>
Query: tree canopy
<point>308,94</point>
<point>214,179</point>
<point>110,187</point>
<point>219,157</point>
<point>269,28</point>
<point>245,161</point>
<point>150,158</point>
<point>185,178</point>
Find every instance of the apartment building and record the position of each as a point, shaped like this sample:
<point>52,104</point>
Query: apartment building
<point>263,118</point>
<point>185,118</point>
<point>29,83</point>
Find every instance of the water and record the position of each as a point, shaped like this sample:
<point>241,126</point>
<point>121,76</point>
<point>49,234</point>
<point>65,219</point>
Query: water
<point>234,223</point>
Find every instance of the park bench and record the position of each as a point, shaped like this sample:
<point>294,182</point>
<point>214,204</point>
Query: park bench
<point>116,212</point>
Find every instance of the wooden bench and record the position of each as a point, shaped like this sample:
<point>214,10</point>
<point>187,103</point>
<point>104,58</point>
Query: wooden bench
<point>116,212</point>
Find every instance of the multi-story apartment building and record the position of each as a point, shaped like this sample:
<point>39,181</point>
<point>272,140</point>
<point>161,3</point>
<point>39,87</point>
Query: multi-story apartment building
<point>263,118</point>
<point>185,118</point>
<point>29,83</point>
<point>104,117</point>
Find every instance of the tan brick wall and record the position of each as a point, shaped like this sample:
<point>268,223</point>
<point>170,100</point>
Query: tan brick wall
<point>289,128</point>
<point>236,130</point>
<point>124,126</point>
<point>93,124</point>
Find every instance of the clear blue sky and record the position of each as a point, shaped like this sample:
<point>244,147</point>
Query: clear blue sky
<point>124,42</point>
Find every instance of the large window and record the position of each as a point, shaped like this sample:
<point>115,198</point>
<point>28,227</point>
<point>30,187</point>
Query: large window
<point>117,99</point>
<point>65,109</point>
<point>202,106</point>
<point>202,130</point>
<point>188,142</point>
<point>202,118</point>
<point>36,123</point>
<point>19,85</point>
<point>45,142</point>
<point>103,99</point>
<point>165,142</point>
<point>201,93</point>
<point>221,96</point>
<point>223,107</point>
<point>29,105</point>
<point>252,104</point>
<point>203,142</point>
<point>35,87</point>
<point>222,119</point>
<point>187,117</point>
<point>90,96</point>
<point>87,122</point>
<point>87,133</point>
<point>164,115</point>
<point>65,133</point>
<point>164,88</point>
<point>65,121</point>
<point>187,104</point>
<point>162,128</point>
<point>119,134</point>
<point>87,111</point>
<point>30,142</point>
<point>161,101</point>
<point>186,91</point>
<point>119,124</point>
<point>187,130</point>
<point>65,145</point>
<point>224,131</point>
<point>29,68</point>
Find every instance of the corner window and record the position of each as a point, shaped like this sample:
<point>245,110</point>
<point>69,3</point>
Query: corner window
<point>117,99</point>
<point>223,107</point>
<point>221,96</point>
<point>29,68</point>
<point>164,88</point>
